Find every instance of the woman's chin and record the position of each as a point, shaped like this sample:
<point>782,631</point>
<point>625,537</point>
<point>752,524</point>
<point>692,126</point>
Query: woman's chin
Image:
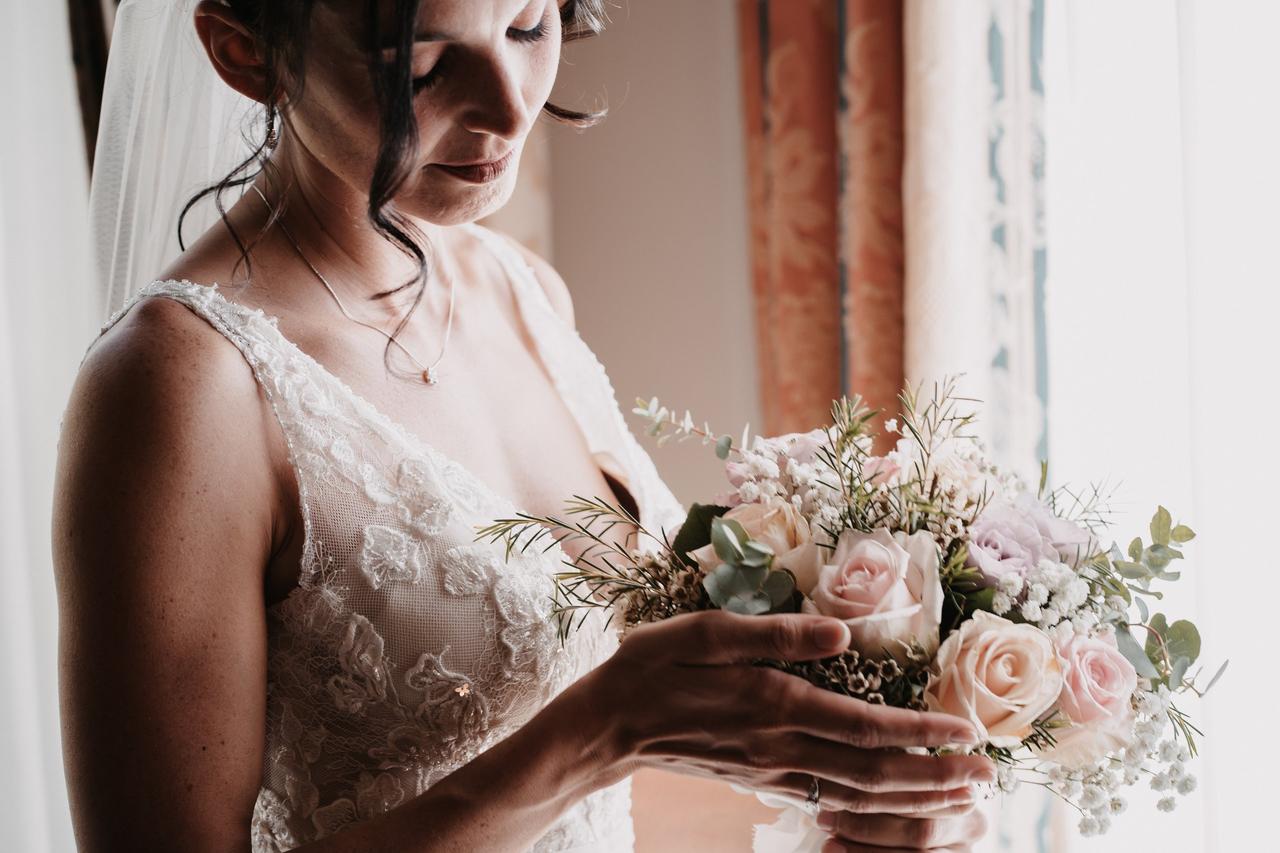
<point>446,200</point>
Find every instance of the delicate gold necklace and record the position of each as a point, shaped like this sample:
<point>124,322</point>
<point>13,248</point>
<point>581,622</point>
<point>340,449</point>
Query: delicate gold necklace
<point>430,374</point>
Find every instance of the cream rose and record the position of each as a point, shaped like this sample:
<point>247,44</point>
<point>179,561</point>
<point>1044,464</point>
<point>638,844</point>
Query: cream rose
<point>1097,692</point>
<point>1000,676</point>
<point>885,587</point>
<point>780,526</point>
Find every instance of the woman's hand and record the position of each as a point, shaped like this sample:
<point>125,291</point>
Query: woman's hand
<point>951,830</point>
<point>683,695</point>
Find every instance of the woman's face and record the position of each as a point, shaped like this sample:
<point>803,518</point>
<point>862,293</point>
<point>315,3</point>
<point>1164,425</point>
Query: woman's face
<point>482,71</point>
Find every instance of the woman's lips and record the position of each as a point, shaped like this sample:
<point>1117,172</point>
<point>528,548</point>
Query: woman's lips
<point>480,173</point>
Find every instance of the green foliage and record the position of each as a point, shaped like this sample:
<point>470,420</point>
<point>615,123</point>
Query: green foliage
<point>1161,526</point>
<point>695,533</point>
<point>745,581</point>
<point>1171,650</point>
<point>1134,653</point>
<point>1112,574</point>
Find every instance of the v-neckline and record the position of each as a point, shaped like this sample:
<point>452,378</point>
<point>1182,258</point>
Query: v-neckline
<point>412,440</point>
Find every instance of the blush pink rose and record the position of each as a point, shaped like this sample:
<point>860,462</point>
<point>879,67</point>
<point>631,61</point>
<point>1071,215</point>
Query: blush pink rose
<point>998,675</point>
<point>885,587</point>
<point>1098,681</point>
<point>1098,686</point>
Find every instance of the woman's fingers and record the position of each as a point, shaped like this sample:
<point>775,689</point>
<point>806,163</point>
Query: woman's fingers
<point>801,706</point>
<point>717,637</point>
<point>880,771</point>
<point>836,845</point>
<point>839,797</point>
<point>910,833</point>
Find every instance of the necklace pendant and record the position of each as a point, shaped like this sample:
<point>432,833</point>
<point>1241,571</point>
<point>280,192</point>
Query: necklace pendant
<point>429,376</point>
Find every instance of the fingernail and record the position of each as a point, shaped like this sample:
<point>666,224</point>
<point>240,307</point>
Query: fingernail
<point>983,775</point>
<point>966,736</point>
<point>826,820</point>
<point>831,635</point>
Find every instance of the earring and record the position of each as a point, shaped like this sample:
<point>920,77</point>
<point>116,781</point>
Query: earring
<point>273,138</point>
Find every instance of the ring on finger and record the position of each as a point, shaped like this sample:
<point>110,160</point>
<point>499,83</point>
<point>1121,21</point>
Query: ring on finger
<point>813,799</point>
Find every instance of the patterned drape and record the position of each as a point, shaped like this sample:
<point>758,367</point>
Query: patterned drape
<point>822,99</point>
<point>896,165</point>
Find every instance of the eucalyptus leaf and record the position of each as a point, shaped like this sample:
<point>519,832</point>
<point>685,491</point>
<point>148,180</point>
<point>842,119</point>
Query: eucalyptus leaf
<point>714,583</point>
<point>728,537</point>
<point>779,586</point>
<point>1161,524</point>
<point>1133,653</point>
<point>1183,640</point>
<point>1159,556</point>
<point>1179,671</point>
<point>752,604</point>
<point>750,578</point>
<point>1182,533</point>
<point>1170,576</point>
<point>756,554</point>
<point>1217,675</point>
<point>723,443</point>
<point>1133,571</point>
<point>1142,609</point>
<point>1135,549</point>
<point>1160,625</point>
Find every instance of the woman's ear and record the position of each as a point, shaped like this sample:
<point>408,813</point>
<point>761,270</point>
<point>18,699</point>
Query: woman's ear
<point>232,50</point>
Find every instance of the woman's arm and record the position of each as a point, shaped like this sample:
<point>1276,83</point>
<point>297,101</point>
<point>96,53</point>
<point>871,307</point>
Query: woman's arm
<point>165,517</point>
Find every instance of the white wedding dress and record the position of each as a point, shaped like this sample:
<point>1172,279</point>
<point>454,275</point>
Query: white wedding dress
<point>408,648</point>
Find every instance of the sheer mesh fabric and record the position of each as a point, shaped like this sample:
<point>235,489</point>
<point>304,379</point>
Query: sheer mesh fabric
<point>408,648</point>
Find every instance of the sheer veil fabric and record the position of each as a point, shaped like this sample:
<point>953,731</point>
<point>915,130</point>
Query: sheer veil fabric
<point>169,127</point>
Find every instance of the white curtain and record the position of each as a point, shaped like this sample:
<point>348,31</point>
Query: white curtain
<point>46,319</point>
<point>1162,138</point>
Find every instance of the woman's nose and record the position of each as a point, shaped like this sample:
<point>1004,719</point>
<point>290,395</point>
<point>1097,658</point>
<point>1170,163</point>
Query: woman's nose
<point>497,104</point>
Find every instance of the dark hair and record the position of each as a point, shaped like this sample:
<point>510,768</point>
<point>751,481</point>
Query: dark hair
<point>282,28</point>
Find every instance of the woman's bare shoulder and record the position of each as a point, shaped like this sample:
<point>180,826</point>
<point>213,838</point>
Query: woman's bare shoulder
<point>163,356</point>
<point>165,409</point>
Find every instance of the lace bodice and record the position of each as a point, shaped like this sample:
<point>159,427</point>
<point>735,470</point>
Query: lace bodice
<point>408,648</point>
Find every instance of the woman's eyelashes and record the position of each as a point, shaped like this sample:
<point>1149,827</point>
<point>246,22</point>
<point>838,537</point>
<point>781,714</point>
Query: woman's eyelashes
<point>432,77</point>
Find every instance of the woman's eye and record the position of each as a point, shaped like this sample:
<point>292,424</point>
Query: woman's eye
<point>529,35</point>
<point>432,77</point>
<point>428,80</point>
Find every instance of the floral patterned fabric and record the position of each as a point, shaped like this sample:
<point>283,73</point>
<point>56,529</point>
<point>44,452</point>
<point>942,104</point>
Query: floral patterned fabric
<point>408,648</point>
<point>822,86</point>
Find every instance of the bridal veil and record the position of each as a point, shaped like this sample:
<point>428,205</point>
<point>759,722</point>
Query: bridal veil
<point>169,128</point>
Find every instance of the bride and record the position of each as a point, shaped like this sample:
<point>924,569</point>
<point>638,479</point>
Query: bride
<point>277,628</point>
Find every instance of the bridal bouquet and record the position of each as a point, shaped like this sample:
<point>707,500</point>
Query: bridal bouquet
<point>965,591</point>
